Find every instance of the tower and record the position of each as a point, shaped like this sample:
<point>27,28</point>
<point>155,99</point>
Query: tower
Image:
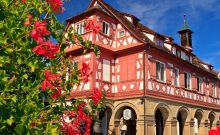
<point>185,36</point>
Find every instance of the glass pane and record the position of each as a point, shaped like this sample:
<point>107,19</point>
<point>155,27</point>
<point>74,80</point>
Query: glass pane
<point>158,70</point>
<point>162,72</point>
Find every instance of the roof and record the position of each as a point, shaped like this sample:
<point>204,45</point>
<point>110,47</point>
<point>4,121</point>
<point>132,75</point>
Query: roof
<point>185,26</point>
<point>138,34</point>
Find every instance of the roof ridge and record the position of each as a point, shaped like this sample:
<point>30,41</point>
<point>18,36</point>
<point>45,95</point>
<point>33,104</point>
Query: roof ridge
<point>137,34</point>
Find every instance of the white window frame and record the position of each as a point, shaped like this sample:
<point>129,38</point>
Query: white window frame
<point>174,50</point>
<point>176,79</point>
<point>80,28</point>
<point>105,30</point>
<point>188,86</point>
<point>121,35</point>
<point>106,69</point>
<point>200,84</point>
<point>214,91</point>
<point>158,77</point>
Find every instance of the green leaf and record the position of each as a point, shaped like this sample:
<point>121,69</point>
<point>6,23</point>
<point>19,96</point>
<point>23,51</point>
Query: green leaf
<point>14,99</point>
<point>32,66</point>
<point>54,131</point>
<point>12,80</point>
<point>19,60</point>
<point>25,76</point>
<point>8,50</point>
<point>10,120</point>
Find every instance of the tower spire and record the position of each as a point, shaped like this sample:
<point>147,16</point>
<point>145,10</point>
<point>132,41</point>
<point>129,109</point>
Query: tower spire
<point>185,25</point>
<point>185,35</point>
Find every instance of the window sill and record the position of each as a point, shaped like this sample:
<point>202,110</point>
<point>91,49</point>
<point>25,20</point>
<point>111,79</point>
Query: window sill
<point>106,35</point>
<point>161,81</point>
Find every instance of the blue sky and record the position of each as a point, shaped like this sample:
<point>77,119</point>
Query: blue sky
<point>166,17</point>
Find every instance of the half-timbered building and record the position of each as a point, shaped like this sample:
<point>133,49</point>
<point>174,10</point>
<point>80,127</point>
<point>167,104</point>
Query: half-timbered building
<point>153,86</point>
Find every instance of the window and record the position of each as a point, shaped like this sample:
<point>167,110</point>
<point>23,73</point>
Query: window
<point>178,53</point>
<point>199,85</point>
<point>121,33</point>
<point>159,42</point>
<point>160,71</point>
<point>174,50</point>
<point>214,92</point>
<point>176,74</point>
<point>187,78</point>
<point>187,58</point>
<point>106,70</point>
<point>105,28</point>
<point>80,28</point>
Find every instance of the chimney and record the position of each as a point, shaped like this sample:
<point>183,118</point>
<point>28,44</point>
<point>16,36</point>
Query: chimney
<point>185,36</point>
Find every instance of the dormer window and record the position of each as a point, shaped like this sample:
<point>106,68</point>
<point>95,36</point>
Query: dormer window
<point>178,53</point>
<point>80,28</point>
<point>187,58</point>
<point>174,50</point>
<point>105,28</point>
<point>159,42</point>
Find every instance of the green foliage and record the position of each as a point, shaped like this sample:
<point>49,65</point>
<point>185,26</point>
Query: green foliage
<point>21,71</point>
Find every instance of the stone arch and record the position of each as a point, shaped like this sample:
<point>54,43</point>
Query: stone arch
<point>212,119</point>
<point>182,116</point>
<point>165,110</point>
<point>122,105</point>
<point>198,116</point>
<point>185,112</point>
<point>162,115</point>
<point>120,123</point>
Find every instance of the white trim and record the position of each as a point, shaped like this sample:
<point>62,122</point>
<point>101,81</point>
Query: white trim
<point>108,30</point>
<point>178,77</point>
<point>190,80</point>
<point>81,27</point>
<point>157,61</point>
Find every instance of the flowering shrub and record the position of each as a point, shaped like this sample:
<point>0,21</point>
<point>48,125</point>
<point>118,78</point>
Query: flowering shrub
<point>33,80</point>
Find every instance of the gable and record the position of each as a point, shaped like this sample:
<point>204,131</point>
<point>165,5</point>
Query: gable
<point>120,18</point>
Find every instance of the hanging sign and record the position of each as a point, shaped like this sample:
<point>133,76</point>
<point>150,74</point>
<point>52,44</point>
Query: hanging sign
<point>127,114</point>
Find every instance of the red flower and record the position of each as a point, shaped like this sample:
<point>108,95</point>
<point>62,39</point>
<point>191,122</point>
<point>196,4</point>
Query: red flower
<point>24,1</point>
<point>55,4</point>
<point>91,25</point>
<point>80,124</point>
<point>81,106</point>
<point>46,49</point>
<point>28,22</point>
<point>85,72</point>
<point>56,94</point>
<point>96,96</point>
<point>49,78</point>
<point>39,31</point>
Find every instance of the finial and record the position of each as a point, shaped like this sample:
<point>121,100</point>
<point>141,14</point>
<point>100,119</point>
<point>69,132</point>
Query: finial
<point>184,16</point>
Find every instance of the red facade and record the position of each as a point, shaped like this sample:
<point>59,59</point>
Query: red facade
<point>172,72</point>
